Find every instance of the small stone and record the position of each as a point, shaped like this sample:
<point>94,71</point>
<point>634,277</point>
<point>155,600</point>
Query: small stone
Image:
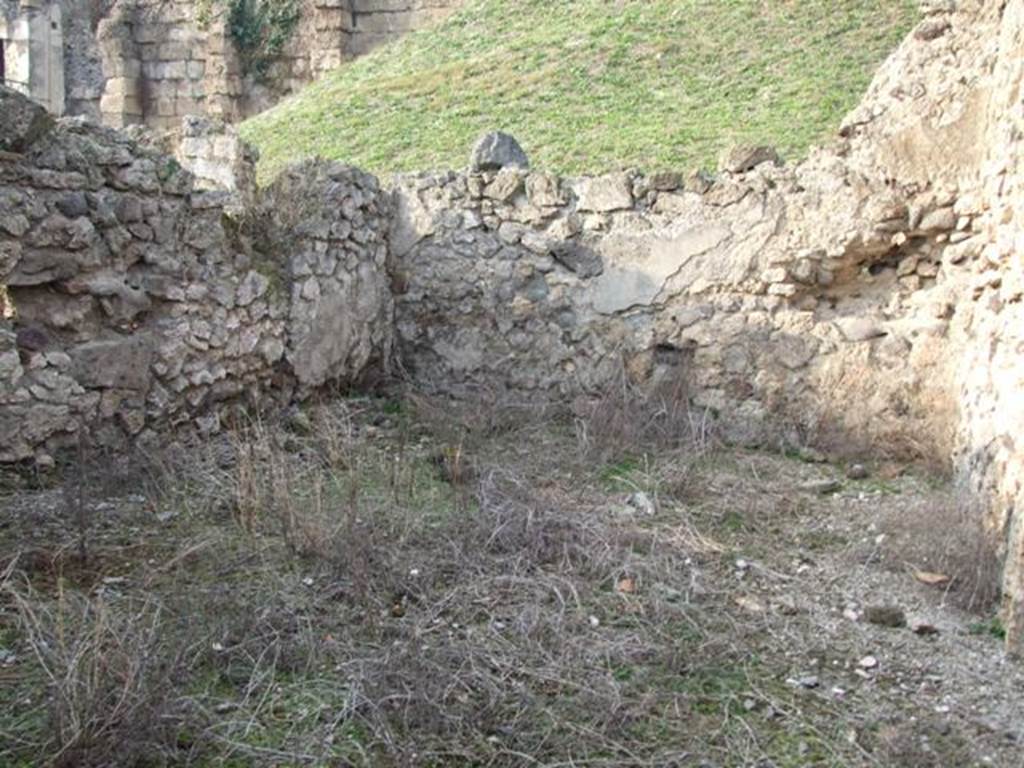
<point>932,29</point>
<point>822,487</point>
<point>31,339</point>
<point>808,681</point>
<point>868,662</point>
<point>578,258</point>
<point>857,472</point>
<point>495,151</point>
<point>812,456</point>
<point>886,616</point>
<point>666,181</point>
<point>45,462</point>
<point>743,158</point>
<point>603,194</point>
<point>642,503</point>
<point>923,628</point>
<point>22,121</point>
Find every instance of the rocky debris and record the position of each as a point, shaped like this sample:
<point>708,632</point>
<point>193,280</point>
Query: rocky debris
<point>923,628</point>
<point>891,616</point>
<point>857,472</point>
<point>642,504</point>
<point>822,487</point>
<point>495,151</point>
<point>22,121</point>
<point>805,681</point>
<point>744,157</point>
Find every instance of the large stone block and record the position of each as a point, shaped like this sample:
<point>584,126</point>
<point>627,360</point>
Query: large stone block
<point>116,363</point>
<point>22,121</point>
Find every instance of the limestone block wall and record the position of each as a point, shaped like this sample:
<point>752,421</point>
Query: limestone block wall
<point>140,303</point>
<point>377,22</point>
<point>216,156</point>
<point>33,51</point>
<point>73,43</point>
<point>164,59</point>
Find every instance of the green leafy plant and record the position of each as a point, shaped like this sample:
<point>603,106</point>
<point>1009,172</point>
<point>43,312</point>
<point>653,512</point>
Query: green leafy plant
<point>260,29</point>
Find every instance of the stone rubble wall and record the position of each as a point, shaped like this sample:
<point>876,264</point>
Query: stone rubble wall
<point>216,155</point>
<point>866,298</point>
<point>141,303</point>
<point>870,296</point>
<point>785,297</point>
<point>990,449</point>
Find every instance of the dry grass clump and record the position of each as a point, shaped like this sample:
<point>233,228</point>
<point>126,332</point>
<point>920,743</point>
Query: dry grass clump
<point>948,538</point>
<point>109,674</point>
<point>392,615</point>
<point>631,418</point>
<point>319,590</point>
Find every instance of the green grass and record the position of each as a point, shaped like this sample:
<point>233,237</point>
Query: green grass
<point>593,85</point>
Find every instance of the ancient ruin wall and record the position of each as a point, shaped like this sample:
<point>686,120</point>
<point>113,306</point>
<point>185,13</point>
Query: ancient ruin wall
<point>141,303</point>
<point>991,375</point>
<point>779,294</point>
<point>164,59</point>
<point>374,23</point>
<point>869,296</point>
<point>154,61</point>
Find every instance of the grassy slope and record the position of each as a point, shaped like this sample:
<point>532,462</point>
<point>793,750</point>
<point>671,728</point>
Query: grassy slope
<point>592,85</point>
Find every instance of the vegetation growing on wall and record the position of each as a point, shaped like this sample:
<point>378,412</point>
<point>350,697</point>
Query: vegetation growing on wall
<point>259,29</point>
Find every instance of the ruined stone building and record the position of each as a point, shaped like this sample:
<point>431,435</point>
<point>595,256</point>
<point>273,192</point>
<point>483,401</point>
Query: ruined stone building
<point>31,52</point>
<point>153,62</point>
<point>871,295</point>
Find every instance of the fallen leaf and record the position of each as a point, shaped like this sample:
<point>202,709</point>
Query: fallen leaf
<point>626,586</point>
<point>931,579</point>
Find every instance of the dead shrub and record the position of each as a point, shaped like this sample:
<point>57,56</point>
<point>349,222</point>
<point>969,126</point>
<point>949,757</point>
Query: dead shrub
<point>275,490</point>
<point>482,413</point>
<point>948,537</point>
<point>631,419</point>
<point>109,676</point>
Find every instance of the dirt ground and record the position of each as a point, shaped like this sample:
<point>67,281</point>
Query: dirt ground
<point>410,582</point>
